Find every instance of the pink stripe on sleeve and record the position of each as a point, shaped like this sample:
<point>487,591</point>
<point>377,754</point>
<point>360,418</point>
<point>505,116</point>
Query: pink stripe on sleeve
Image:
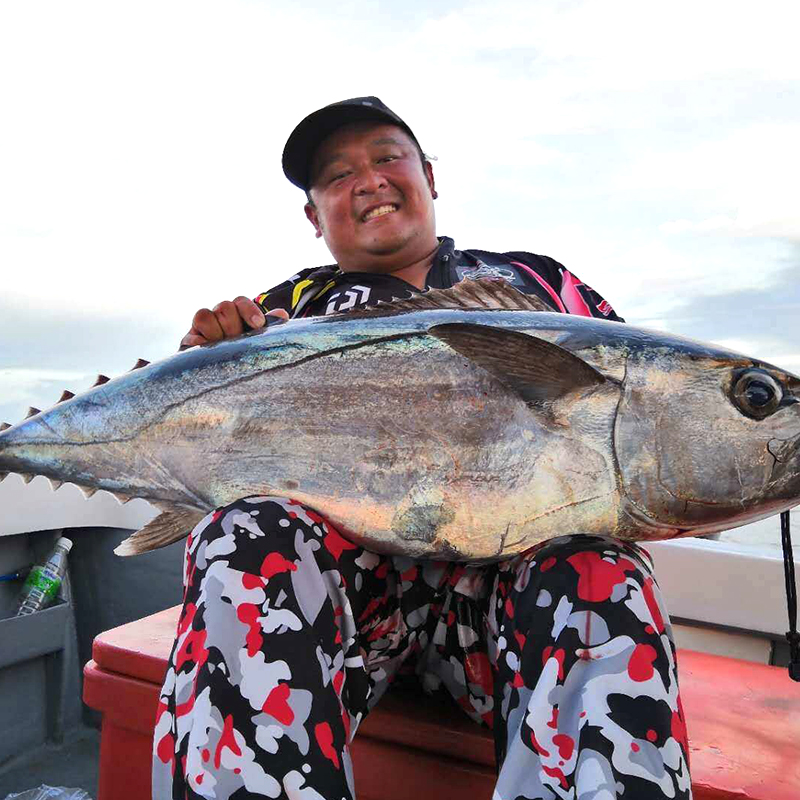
<point>572,297</point>
<point>543,283</point>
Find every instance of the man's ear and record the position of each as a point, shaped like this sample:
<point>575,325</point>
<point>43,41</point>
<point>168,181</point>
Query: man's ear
<point>429,176</point>
<point>313,218</point>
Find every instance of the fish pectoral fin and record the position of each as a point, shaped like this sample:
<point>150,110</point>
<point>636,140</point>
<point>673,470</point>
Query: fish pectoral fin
<point>166,528</point>
<point>539,371</point>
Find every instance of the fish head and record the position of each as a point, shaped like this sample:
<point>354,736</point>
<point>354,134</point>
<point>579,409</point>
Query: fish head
<point>706,439</point>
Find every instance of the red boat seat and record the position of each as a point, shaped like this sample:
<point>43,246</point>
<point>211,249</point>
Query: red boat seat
<point>743,721</point>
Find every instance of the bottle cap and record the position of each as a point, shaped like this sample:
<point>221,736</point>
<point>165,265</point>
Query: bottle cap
<point>65,543</point>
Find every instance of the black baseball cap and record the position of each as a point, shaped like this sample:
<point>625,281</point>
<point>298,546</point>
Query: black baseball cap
<point>309,134</point>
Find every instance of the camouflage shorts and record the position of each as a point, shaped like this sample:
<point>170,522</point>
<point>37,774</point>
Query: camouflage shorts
<point>290,634</point>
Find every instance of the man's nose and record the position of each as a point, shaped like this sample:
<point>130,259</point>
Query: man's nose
<point>369,180</point>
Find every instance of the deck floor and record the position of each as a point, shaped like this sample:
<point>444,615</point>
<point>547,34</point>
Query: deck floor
<point>73,764</point>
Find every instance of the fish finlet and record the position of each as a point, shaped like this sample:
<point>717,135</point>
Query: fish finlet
<point>55,484</point>
<point>101,379</point>
<point>26,476</point>
<point>32,412</point>
<point>88,491</point>
<point>5,426</point>
<point>66,395</point>
<point>122,498</point>
<point>3,476</point>
<point>139,364</point>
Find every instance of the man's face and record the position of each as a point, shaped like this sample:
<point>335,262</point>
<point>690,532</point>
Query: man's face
<point>372,198</point>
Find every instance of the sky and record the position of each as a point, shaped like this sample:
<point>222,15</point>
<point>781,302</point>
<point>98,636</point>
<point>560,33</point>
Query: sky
<point>651,148</point>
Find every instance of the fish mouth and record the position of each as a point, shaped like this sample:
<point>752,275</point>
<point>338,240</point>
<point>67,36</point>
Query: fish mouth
<point>374,212</point>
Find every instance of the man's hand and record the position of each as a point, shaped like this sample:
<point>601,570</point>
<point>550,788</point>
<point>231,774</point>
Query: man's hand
<point>227,319</point>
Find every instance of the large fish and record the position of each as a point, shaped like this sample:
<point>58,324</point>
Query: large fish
<point>468,423</point>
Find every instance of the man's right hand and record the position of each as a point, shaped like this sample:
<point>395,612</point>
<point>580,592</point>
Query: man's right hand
<point>227,319</point>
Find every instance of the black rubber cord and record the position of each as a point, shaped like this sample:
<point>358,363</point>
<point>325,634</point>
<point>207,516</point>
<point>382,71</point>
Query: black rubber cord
<point>792,635</point>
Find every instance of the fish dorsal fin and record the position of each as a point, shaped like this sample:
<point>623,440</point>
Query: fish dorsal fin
<point>165,529</point>
<point>540,372</point>
<point>483,293</point>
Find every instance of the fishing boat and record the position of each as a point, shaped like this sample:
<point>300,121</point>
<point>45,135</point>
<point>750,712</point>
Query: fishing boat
<point>726,597</point>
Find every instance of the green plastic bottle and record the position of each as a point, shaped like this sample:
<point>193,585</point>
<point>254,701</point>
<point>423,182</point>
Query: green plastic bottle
<point>44,581</point>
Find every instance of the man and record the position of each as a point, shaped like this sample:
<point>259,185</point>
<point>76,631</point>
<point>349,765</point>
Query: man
<point>290,633</point>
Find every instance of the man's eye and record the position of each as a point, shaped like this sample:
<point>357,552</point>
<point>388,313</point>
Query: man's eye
<point>337,177</point>
<point>384,159</point>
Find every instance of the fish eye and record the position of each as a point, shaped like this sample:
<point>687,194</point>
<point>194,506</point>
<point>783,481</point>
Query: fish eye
<point>757,394</point>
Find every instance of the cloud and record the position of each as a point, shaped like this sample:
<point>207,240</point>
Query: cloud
<point>719,223</point>
<point>762,322</point>
<point>44,353</point>
<point>60,340</point>
<point>21,388</point>
<point>627,43</point>
<point>782,225</point>
<point>748,176</point>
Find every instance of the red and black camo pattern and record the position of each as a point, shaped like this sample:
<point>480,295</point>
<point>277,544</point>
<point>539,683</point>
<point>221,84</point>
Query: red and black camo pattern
<point>290,634</point>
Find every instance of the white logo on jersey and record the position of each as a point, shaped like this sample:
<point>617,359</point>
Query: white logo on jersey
<point>485,271</point>
<point>349,298</point>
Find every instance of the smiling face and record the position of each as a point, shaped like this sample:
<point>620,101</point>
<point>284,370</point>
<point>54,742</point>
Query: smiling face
<point>372,199</point>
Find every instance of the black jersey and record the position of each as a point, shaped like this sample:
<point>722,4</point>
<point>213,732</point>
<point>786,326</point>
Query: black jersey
<point>326,290</point>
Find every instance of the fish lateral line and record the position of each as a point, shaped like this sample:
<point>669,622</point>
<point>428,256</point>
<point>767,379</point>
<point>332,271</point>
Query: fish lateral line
<point>202,393</point>
<point>281,367</point>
